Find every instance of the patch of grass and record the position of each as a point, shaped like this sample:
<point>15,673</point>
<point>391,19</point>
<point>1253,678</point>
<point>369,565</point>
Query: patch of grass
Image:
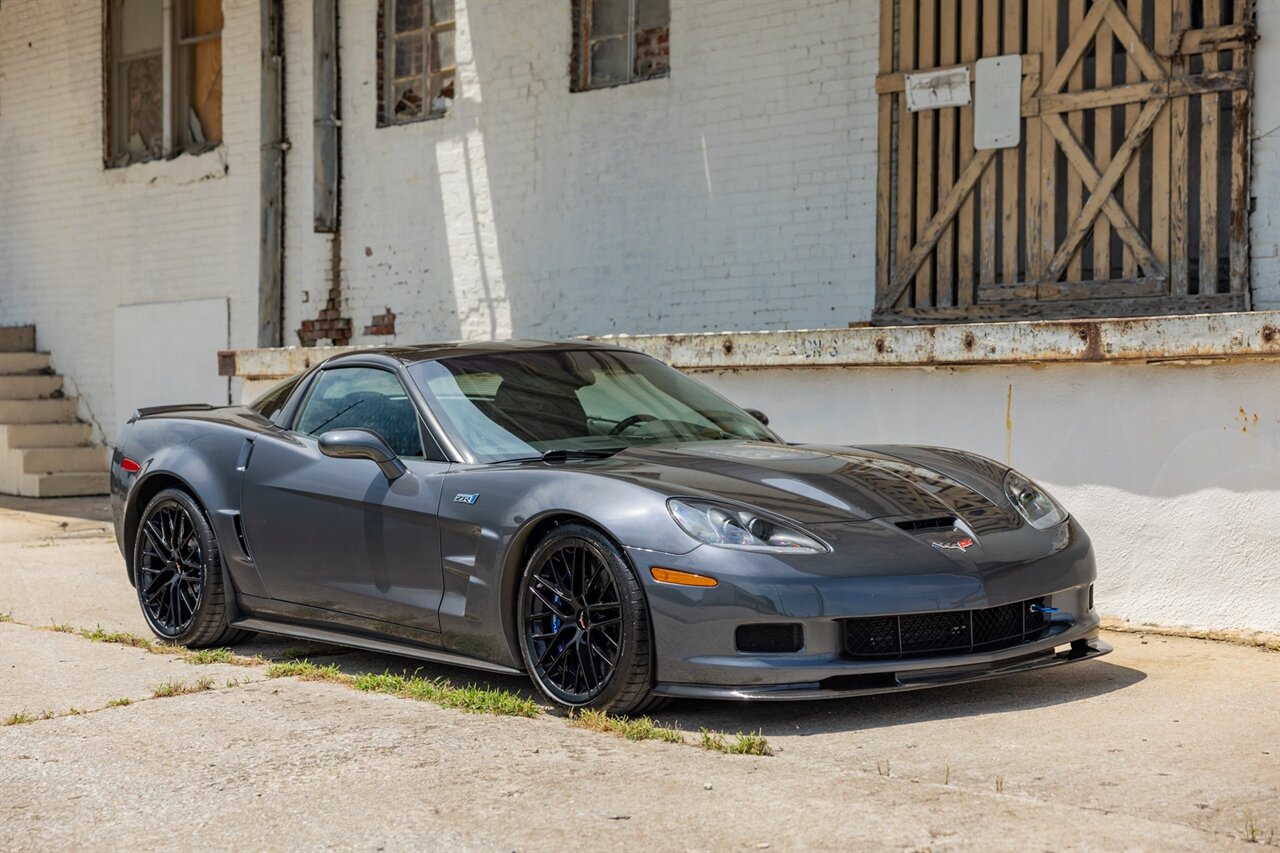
<point>121,638</point>
<point>639,728</point>
<point>201,657</point>
<point>181,688</point>
<point>61,628</point>
<point>17,718</point>
<point>120,703</point>
<point>6,616</point>
<point>305,670</point>
<point>472,699</point>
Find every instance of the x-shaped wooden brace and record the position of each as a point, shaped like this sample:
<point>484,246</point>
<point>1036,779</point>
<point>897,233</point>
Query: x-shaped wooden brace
<point>1100,186</point>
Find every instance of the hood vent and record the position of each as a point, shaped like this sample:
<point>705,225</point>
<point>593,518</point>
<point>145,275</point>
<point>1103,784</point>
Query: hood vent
<point>941,522</point>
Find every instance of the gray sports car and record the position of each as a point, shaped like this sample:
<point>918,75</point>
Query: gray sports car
<point>589,516</point>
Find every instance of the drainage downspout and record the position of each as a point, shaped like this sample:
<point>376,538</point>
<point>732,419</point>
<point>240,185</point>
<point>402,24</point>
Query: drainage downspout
<point>271,192</point>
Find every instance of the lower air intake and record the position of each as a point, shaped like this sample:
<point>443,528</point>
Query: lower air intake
<point>770,638</point>
<point>948,632</point>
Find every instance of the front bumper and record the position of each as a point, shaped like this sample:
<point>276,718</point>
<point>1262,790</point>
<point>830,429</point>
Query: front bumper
<point>697,653</point>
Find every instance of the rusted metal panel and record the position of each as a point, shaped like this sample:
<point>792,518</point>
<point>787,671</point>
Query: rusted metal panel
<point>275,362</point>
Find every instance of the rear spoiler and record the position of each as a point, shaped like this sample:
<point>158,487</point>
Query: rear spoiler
<point>148,411</point>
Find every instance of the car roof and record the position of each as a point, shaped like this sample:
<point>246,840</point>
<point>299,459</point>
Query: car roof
<point>453,349</point>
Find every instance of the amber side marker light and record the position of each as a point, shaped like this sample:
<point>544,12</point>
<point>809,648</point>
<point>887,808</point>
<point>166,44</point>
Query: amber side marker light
<point>681,578</point>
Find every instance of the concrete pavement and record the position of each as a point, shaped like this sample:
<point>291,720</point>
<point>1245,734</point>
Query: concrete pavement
<point>1169,743</point>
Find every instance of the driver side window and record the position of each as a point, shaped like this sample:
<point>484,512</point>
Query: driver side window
<point>363,398</point>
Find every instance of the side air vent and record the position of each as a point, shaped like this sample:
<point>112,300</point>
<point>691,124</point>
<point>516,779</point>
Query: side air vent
<point>770,638</point>
<point>244,544</point>
<point>943,521</point>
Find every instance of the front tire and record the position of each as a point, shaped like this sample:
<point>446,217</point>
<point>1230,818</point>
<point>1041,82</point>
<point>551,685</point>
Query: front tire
<point>584,624</point>
<point>178,574</point>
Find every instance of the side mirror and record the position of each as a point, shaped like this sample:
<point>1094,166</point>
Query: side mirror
<point>758,415</point>
<point>362,444</point>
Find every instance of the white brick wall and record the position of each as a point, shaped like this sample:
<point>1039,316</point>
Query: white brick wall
<point>738,193</point>
<point>77,240</point>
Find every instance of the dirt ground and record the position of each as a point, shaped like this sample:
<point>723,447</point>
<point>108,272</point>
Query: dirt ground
<point>1167,744</point>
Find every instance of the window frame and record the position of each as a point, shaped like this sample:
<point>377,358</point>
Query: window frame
<point>580,70</point>
<point>175,82</point>
<point>386,59</point>
<point>426,440</point>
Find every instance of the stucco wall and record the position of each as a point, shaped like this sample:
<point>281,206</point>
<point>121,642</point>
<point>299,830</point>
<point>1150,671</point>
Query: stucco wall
<point>1173,470</point>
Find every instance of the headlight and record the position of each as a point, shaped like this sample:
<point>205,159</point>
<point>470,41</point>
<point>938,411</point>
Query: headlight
<point>731,527</point>
<point>1032,502</point>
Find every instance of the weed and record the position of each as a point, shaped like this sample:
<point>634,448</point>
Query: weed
<point>17,718</point>
<point>205,656</point>
<point>305,670</point>
<point>121,638</point>
<point>883,770</point>
<point>640,728</point>
<point>999,784</point>
<point>751,743</point>
<point>472,699</point>
<point>6,616</point>
<point>62,628</point>
<point>946,775</point>
<point>120,703</point>
<point>181,688</point>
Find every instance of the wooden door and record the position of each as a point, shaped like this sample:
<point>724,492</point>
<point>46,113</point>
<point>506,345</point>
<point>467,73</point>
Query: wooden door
<point>1128,194</point>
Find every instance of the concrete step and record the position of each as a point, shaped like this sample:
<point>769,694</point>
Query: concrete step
<point>17,338</point>
<point>44,435</point>
<point>64,485</point>
<point>62,410</point>
<point>61,460</point>
<point>23,362</point>
<point>29,386</point>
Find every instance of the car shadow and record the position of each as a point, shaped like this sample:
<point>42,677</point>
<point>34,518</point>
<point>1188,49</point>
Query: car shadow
<point>1008,694</point>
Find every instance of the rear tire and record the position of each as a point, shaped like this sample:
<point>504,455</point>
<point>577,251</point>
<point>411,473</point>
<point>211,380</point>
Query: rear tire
<point>583,624</point>
<point>178,574</point>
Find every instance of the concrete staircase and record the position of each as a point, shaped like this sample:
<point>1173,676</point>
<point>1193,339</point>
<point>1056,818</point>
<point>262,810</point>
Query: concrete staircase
<point>45,451</point>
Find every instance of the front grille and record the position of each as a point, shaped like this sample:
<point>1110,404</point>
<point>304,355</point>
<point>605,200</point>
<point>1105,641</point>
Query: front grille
<point>948,632</point>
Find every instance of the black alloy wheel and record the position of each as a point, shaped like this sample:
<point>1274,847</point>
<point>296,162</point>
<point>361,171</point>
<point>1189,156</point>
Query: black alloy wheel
<point>178,573</point>
<point>584,625</point>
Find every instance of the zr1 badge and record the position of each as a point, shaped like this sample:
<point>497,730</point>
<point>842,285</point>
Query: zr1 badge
<point>465,499</point>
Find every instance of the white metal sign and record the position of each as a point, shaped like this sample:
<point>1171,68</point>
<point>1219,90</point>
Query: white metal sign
<point>933,90</point>
<point>997,102</point>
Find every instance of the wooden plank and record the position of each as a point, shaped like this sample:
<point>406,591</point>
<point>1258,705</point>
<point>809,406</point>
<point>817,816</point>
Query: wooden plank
<point>1104,53</point>
<point>906,143</point>
<point>1033,157</point>
<point>1080,30</point>
<point>1210,114</point>
<point>1106,183</point>
<point>884,155</point>
<point>1046,170</point>
<point>325,112</point>
<point>1075,290</point>
<point>987,211</point>
<point>964,223</point>
<point>1135,93</point>
<point>945,255</point>
<point>1125,227</point>
<point>1160,135</point>
<point>1148,306</point>
<point>271,144</point>
<point>926,153</point>
<point>1009,160</point>
<point>1226,37</point>
<point>1078,35</point>
<point>1240,123</point>
<point>929,234</point>
<point>1179,157</point>
<point>1127,31</point>
<point>1129,40</point>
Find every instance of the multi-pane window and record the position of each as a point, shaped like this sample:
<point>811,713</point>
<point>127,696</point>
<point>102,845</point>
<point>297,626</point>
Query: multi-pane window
<point>416,60</point>
<point>164,78</point>
<point>619,41</point>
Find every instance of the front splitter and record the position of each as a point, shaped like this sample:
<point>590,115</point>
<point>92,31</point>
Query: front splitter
<point>867,684</point>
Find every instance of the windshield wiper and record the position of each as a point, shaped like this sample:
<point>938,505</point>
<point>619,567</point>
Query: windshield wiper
<point>560,454</point>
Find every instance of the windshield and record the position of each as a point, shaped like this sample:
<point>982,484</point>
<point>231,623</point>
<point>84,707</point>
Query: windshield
<point>517,405</point>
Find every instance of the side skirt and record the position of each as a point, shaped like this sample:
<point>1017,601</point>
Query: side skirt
<point>371,644</point>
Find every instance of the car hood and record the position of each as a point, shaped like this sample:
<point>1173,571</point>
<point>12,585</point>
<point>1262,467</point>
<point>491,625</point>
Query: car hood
<point>815,484</point>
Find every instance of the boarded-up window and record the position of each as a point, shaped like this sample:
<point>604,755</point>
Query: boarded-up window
<point>417,66</point>
<point>619,41</point>
<point>164,78</point>
<point>1128,193</point>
